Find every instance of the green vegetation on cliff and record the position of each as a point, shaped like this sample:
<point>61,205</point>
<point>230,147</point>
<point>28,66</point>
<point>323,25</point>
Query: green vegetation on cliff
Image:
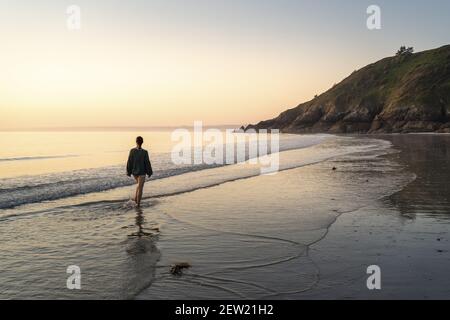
<point>405,93</point>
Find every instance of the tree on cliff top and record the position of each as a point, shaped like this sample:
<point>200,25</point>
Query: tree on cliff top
<point>405,51</point>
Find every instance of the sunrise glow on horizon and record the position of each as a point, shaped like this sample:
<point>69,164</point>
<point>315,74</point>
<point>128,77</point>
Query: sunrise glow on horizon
<point>168,63</point>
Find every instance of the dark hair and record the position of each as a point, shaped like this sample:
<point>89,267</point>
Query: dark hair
<point>139,140</point>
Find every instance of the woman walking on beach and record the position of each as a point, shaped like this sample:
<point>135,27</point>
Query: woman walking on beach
<point>139,166</point>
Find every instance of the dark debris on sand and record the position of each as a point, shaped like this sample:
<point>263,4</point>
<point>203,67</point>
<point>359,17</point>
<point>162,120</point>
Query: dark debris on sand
<point>177,269</point>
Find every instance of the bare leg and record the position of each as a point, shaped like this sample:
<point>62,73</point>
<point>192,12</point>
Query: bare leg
<point>139,189</point>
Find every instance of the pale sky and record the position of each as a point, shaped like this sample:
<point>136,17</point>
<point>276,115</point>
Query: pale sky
<point>168,63</point>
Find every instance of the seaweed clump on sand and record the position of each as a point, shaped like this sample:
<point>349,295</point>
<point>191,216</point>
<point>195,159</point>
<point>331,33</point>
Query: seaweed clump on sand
<point>177,269</point>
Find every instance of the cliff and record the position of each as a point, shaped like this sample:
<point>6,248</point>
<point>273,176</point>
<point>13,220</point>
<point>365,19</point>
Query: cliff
<point>405,93</point>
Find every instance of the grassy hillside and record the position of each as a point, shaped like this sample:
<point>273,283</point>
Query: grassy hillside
<point>404,93</point>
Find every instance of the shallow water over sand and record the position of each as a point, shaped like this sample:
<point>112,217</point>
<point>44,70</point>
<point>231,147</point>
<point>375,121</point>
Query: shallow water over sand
<point>405,234</point>
<point>258,232</point>
<point>244,235</point>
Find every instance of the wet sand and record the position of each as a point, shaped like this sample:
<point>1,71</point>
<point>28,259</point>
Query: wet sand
<point>405,234</point>
<point>354,225</point>
<point>307,232</point>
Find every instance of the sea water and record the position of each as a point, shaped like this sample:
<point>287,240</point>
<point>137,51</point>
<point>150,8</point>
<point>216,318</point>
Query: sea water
<point>64,200</point>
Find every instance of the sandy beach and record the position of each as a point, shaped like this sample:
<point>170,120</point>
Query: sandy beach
<point>405,232</point>
<point>307,232</point>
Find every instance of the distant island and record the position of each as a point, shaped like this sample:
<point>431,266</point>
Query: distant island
<point>409,92</point>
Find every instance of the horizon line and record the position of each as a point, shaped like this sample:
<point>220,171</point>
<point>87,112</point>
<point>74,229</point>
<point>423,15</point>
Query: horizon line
<point>116,128</point>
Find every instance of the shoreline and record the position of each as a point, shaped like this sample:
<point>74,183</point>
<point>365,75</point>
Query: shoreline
<point>308,232</point>
<point>309,272</point>
<point>408,244</point>
<point>376,233</point>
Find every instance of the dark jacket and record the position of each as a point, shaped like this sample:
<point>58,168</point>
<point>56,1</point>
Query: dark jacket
<point>139,163</point>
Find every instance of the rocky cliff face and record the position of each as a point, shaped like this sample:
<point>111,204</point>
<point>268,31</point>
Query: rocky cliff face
<point>405,93</point>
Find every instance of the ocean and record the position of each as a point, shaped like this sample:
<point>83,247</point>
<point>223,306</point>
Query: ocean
<point>64,200</point>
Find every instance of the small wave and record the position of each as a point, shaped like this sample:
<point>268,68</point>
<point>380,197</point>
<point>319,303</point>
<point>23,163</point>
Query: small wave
<point>49,187</point>
<point>39,158</point>
<point>82,187</point>
<point>52,187</point>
